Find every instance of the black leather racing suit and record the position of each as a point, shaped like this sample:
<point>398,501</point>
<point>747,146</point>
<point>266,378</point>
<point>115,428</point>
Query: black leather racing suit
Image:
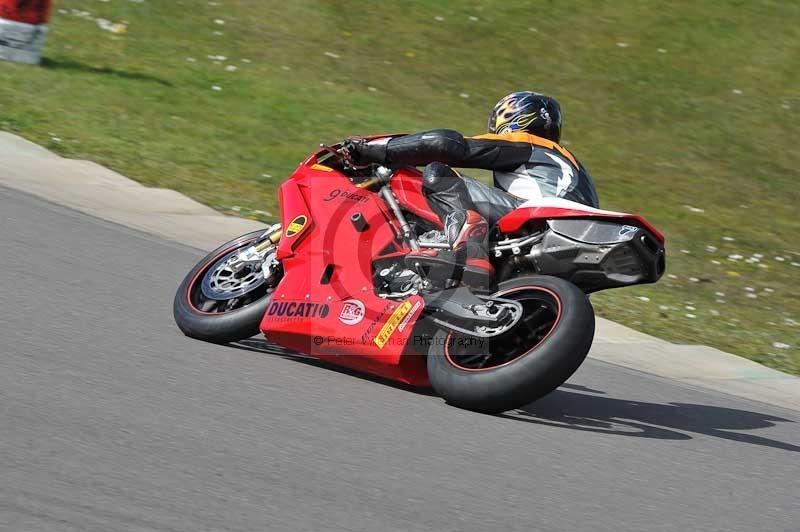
<point>524,165</point>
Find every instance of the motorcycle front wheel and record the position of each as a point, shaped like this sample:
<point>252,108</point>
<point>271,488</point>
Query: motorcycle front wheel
<point>529,361</point>
<point>220,304</point>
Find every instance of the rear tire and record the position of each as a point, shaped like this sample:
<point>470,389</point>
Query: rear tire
<point>218,327</point>
<point>537,370</point>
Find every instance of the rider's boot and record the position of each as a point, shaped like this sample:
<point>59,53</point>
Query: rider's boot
<point>467,233</point>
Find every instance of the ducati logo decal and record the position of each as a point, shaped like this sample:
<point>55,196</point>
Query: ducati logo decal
<point>296,225</point>
<point>345,195</point>
<point>352,312</point>
<point>298,309</point>
<point>392,323</point>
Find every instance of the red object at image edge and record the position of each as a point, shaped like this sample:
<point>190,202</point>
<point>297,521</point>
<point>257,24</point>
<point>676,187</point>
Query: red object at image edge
<point>25,11</point>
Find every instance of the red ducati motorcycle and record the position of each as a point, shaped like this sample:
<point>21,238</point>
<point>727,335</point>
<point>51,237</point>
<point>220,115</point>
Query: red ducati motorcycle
<point>335,280</point>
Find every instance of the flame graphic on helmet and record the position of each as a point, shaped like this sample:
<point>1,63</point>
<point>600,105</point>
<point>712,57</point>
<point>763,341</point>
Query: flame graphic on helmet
<point>508,115</point>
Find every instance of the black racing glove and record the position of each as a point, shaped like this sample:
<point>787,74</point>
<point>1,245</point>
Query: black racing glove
<point>362,151</point>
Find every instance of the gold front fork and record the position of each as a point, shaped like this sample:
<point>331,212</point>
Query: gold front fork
<point>270,241</point>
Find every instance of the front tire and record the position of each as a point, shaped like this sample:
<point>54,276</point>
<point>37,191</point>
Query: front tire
<point>219,321</point>
<point>531,360</point>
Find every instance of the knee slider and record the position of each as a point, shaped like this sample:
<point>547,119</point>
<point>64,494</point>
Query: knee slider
<point>438,177</point>
<point>430,182</point>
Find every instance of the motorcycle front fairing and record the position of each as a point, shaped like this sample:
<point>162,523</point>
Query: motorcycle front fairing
<point>407,187</point>
<point>325,305</point>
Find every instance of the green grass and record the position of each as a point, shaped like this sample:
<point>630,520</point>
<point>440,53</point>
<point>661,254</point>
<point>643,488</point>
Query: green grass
<point>669,105</point>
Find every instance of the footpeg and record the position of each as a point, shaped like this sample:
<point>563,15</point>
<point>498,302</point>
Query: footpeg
<point>458,309</point>
<point>489,309</point>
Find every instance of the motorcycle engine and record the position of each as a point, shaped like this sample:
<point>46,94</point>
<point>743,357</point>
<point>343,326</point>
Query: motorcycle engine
<point>396,281</point>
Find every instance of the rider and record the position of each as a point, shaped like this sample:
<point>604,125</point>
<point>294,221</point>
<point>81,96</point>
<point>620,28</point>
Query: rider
<point>522,150</point>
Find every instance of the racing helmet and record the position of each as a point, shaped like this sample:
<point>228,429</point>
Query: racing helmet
<point>529,112</point>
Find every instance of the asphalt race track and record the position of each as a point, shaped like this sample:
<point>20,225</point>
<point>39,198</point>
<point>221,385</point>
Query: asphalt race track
<point>111,419</point>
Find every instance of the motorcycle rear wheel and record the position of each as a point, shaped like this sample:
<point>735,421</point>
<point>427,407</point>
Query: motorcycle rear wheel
<point>531,360</point>
<point>220,321</point>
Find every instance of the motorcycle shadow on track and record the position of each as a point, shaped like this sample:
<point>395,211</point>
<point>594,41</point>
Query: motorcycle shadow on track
<point>581,408</point>
<point>671,421</point>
